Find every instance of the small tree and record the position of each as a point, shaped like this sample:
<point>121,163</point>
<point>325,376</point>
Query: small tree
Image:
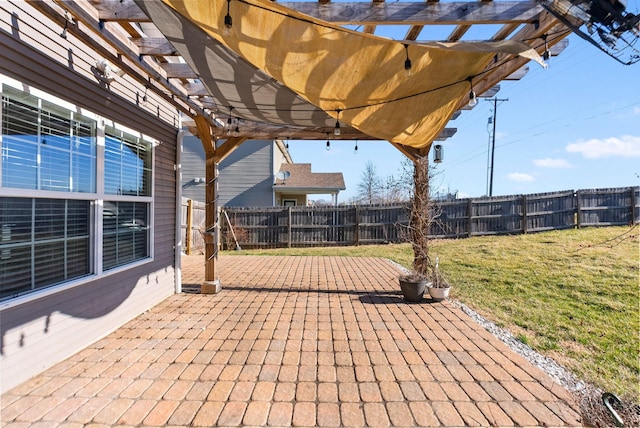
<point>369,186</point>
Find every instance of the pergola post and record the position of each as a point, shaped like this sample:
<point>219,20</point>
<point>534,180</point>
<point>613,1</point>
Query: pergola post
<point>215,154</point>
<point>211,284</point>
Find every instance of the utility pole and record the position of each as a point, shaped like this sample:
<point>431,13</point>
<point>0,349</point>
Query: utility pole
<point>493,139</point>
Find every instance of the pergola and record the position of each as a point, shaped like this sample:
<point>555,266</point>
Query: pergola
<point>244,69</point>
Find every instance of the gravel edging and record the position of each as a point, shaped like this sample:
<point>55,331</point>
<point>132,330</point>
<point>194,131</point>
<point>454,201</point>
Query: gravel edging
<point>558,373</point>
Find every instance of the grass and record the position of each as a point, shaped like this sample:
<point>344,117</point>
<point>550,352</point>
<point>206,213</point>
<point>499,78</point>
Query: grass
<point>572,295</point>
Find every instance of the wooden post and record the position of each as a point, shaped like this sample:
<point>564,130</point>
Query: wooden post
<point>356,233</point>
<point>524,214</point>
<point>188,238</point>
<point>211,282</point>
<point>469,213</point>
<point>289,218</point>
<point>634,201</point>
<point>215,154</point>
<point>577,196</point>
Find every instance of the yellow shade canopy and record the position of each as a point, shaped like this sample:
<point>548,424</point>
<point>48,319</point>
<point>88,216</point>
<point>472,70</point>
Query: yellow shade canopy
<point>356,78</point>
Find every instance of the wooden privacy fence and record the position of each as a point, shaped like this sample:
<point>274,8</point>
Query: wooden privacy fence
<point>299,226</point>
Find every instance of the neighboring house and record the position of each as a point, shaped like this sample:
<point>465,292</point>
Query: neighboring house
<point>295,182</point>
<point>249,176</point>
<point>88,195</point>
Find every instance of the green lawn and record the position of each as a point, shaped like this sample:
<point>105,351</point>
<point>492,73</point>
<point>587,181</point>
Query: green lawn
<point>572,295</point>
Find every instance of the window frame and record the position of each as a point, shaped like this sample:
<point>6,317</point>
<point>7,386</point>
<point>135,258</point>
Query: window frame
<point>96,199</point>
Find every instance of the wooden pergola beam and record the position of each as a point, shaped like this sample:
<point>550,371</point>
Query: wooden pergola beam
<point>428,13</point>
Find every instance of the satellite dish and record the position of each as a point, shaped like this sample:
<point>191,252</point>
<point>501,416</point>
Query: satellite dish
<point>283,175</point>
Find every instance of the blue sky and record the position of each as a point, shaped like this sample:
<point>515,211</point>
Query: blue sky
<point>575,125</point>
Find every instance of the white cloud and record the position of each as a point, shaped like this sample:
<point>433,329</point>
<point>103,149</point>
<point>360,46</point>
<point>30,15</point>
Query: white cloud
<point>519,176</point>
<point>552,163</point>
<point>626,146</point>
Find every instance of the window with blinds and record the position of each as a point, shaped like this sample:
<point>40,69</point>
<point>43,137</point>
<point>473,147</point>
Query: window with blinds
<point>127,164</point>
<point>42,242</point>
<point>46,238</point>
<point>126,234</point>
<point>45,147</point>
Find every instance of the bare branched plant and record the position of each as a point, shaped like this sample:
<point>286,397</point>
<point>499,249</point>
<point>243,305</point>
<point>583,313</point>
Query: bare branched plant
<point>424,213</point>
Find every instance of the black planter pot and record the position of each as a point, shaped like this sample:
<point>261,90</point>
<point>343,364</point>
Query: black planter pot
<point>412,291</point>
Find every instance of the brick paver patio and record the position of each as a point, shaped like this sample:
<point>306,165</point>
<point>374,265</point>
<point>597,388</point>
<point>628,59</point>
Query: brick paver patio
<point>303,341</point>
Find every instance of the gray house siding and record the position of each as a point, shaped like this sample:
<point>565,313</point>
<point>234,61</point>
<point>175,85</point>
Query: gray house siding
<point>246,175</point>
<point>40,332</point>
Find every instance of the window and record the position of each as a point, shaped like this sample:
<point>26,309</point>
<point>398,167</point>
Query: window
<point>56,223</point>
<point>125,233</point>
<point>45,147</point>
<point>42,242</point>
<point>127,164</point>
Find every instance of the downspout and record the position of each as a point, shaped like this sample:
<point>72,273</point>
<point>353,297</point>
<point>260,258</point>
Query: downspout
<point>178,243</point>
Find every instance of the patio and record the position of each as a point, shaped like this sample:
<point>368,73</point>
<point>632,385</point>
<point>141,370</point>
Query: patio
<point>303,341</point>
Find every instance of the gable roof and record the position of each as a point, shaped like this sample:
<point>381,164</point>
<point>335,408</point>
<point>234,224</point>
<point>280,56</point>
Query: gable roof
<point>302,178</point>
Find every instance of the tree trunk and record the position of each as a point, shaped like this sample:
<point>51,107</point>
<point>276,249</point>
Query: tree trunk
<point>419,223</point>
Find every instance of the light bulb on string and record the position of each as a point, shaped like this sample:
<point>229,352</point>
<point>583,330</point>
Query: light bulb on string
<point>473,100</point>
<point>228,21</point>
<point>236,131</point>
<point>229,120</point>
<point>546,55</point>
<point>336,130</point>
<point>355,149</point>
<point>407,61</point>
<point>328,147</point>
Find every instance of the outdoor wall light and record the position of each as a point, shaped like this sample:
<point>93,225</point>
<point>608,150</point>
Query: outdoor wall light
<point>107,72</point>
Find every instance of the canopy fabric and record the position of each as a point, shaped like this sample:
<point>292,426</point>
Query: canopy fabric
<point>356,78</point>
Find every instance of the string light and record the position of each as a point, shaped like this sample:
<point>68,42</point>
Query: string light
<point>236,131</point>
<point>355,149</point>
<point>228,22</point>
<point>546,55</point>
<point>229,121</point>
<point>328,142</point>
<point>473,100</point>
<point>407,62</point>
<point>286,145</point>
<point>336,131</point>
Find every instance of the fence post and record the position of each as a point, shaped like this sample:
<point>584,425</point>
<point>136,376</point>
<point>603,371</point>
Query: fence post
<point>289,217</point>
<point>356,234</point>
<point>577,209</point>
<point>187,235</point>
<point>524,214</point>
<point>633,205</point>
<point>469,212</point>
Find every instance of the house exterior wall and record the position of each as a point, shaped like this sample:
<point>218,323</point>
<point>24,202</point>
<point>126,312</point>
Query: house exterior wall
<point>42,328</point>
<point>246,175</point>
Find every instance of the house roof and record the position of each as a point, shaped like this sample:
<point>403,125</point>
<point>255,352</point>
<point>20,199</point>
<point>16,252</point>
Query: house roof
<point>302,179</point>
